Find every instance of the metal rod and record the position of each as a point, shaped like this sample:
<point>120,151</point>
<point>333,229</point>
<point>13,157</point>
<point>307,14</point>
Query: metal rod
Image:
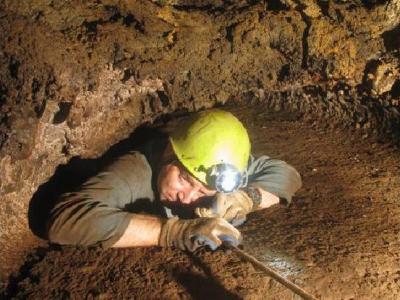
<point>270,272</point>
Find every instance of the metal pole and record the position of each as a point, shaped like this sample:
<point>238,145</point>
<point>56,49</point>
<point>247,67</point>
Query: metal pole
<point>270,272</point>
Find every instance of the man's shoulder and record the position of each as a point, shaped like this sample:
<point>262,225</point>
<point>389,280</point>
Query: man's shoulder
<point>133,160</point>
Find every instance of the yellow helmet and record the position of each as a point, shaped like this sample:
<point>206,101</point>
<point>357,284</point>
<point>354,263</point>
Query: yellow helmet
<point>214,147</point>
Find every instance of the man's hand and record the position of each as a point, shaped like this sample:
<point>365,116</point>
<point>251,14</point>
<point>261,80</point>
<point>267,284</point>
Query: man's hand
<point>193,234</point>
<point>233,207</point>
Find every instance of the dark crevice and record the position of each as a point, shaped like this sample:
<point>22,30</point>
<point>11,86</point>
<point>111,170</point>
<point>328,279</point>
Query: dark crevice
<point>339,15</point>
<point>276,5</point>
<point>324,5</point>
<point>39,108</point>
<point>391,39</point>
<point>370,68</point>
<point>216,7</point>
<point>284,72</point>
<point>128,73</point>
<point>91,27</point>
<point>13,67</point>
<point>3,94</point>
<point>372,3</point>
<point>163,98</point>
<point>300,8</point>
<point>62,114</point>
<point>229,35</point>
<point>115,14</point>
<point>35,87</point>
<point>207,7</point>
<point>129,21</point>
<point>395,91</point>
<point>3,137</point>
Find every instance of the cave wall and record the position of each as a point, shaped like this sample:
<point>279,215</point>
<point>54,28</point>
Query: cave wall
<point>78,76</point>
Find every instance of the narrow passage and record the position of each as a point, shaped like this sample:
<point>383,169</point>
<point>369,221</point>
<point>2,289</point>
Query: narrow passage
<point>340,239</point>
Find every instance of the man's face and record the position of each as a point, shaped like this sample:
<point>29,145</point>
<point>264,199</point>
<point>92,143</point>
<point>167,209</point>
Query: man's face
<point>177,186</point>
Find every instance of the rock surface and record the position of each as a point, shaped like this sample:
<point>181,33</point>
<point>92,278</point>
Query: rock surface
<point>78,76</point>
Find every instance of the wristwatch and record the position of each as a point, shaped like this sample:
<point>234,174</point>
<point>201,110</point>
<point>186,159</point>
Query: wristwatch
<point>254,194</point>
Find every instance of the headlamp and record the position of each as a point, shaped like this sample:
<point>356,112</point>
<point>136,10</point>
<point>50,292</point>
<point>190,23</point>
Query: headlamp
<point>225,178</point>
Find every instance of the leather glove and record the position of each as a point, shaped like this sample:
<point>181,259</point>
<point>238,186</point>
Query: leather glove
<point>233,207</point>
<point>193,234</point>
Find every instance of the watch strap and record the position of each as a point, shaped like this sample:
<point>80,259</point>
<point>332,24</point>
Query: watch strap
<point>254,194</point>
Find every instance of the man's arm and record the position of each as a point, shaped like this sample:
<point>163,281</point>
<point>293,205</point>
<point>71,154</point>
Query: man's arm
<point>96,213</point>
<point>273,178</point>
<point>267,199</point>
<point>142,231</point>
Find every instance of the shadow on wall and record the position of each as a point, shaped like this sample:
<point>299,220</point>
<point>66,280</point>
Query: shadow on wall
<point>70,176</point>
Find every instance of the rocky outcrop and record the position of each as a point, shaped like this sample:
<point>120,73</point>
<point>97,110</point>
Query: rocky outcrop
<point>78,76</point>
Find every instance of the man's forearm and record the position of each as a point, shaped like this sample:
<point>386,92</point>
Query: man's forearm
<point>142,231</point>
<point>267,199</point>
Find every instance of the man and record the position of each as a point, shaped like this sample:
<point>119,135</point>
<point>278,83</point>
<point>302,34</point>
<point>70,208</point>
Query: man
<point>203,177</point>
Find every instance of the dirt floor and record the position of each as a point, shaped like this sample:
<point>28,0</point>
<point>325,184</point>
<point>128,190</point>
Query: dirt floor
<point>340,238</point>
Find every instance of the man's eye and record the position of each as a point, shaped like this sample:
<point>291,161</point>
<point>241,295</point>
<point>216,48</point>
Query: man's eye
<point>185,179</point>
<point>182,178</point>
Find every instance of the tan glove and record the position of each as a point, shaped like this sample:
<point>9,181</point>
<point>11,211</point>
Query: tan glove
<point>193,234</point>
<point>233,207</point>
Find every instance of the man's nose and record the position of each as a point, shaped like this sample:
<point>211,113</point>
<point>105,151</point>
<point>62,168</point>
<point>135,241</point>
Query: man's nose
<point>188,196</point>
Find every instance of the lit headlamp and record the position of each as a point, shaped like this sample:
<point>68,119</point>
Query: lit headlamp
<point>225,178</point>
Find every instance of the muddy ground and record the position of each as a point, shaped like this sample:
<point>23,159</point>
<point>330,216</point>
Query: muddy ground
<point>339,239</point>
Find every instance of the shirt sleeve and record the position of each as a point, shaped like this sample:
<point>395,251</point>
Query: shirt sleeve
<point>95,214</point>
<point>274,176</point>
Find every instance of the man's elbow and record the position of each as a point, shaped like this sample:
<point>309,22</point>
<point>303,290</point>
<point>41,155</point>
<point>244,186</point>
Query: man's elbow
<point>293,184</point>
<point>298,180</point>
<point>70,235</point>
